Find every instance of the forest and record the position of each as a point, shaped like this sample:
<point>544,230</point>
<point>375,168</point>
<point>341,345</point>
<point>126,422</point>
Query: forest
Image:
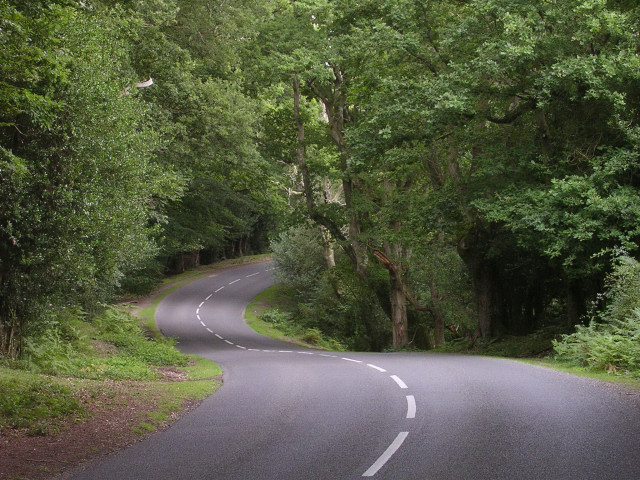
<point>424,172</point>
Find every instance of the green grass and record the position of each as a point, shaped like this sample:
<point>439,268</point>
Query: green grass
<point>60,374</point>
<point>82,362</point>
<point>620,379</point>
<point>268,314</point>
<point>200,368</point>
<point>203,379</point>
<point>38,404</point>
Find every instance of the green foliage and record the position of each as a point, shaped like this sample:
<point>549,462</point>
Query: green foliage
<point>611,340</point>
<point>332,301</point>
<point>76,216</point>
<point>35,404</point>
<point>609,347</point>
<point>286,325</point>
<point>298,255</point>
<point>112,345</point>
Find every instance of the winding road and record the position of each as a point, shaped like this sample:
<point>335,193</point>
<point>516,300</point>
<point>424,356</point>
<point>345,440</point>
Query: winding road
<point>288,413</point>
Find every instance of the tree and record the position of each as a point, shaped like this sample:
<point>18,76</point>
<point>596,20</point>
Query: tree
<point>80,187</point>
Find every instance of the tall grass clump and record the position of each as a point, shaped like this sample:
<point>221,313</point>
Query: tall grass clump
<point>111,345</point>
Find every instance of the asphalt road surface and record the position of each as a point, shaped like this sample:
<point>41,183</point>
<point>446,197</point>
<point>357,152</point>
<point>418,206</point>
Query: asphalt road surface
<point>288,413</point>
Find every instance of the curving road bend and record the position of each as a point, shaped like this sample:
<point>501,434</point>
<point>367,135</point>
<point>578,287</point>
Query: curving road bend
<point>288,413</point>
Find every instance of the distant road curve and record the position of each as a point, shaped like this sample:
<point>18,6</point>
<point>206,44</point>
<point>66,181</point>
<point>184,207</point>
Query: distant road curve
<point>290,413</point>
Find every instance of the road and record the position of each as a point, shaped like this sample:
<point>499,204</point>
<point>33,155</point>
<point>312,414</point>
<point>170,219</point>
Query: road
<point>289,413</point>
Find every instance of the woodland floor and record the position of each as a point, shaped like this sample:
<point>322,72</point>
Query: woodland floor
<point>115,410</point>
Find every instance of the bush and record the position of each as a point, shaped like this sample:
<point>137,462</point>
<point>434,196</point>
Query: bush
<point>611,340</point>
<point>298,256</point>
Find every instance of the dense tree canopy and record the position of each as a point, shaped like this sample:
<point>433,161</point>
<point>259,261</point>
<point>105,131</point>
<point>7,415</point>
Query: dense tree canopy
<point>466,167</point>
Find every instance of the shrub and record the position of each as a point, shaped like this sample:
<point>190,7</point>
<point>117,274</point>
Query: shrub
<point>611,340</point>
<point>298,255</point>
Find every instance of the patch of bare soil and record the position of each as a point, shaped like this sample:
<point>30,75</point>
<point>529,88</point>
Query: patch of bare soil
<point>114,410</point>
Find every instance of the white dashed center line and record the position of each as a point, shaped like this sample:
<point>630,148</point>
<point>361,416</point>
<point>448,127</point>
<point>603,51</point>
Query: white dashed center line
<point>411,401</point>
<point>388,453</point>
<point>411,406</point>
<point>376,368</point>
<point>351,360</point>
<point>400,383</point>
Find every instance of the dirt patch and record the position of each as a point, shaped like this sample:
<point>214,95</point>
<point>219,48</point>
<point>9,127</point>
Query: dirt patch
<point>170,374</point>
<point>113,412</point>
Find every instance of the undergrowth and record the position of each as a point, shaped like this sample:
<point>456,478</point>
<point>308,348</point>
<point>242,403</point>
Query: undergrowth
<point>35,404</point>
<point>286,325</point>
<point>611,339</point>
<point>112,345</point>
<point>38,391</point>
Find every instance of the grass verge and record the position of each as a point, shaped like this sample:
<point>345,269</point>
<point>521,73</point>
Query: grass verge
<point>269,314</point>
<point>610,377</point>
<point>537,349</point>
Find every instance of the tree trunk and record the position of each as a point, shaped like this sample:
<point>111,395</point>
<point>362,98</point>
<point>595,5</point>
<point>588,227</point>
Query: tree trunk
<point>482,287</point>
<point>334,108</point>
<point>398,311</point>
<point>438,317</point>
<point>574,303</point>
<point>327,252</point>
<point>470,249</point>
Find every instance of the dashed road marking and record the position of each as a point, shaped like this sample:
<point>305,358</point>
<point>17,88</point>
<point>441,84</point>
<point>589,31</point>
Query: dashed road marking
<point>376,368</point>
<point>411,401</point>
<point>411,406</point>
<point>400,383</point>
<point>351,360</point>
<point>388,453</point>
